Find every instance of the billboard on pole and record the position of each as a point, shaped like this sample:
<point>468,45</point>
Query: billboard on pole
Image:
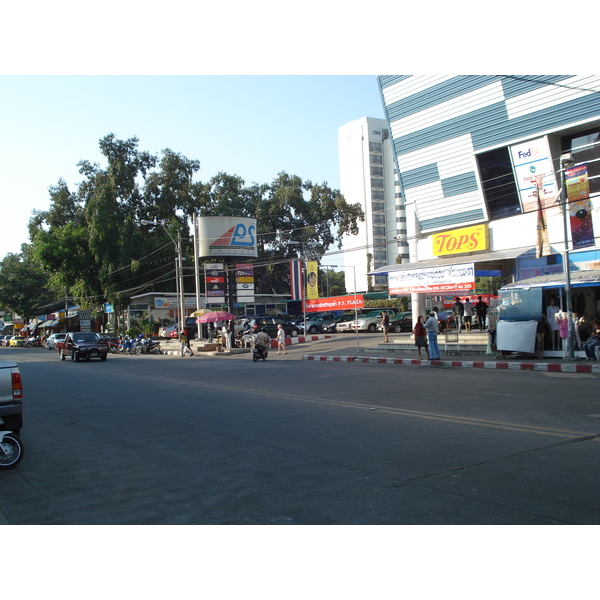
<point>226,236</point>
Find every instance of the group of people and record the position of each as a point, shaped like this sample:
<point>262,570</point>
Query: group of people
<point>463,313</point>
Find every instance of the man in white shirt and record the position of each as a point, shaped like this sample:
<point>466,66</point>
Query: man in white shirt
<point>468,306</point>
<point>431,325</point>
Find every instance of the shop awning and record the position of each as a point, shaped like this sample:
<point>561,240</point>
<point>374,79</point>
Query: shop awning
<point>53,323</point>
<point>480,257</point>
<point>555,280</point>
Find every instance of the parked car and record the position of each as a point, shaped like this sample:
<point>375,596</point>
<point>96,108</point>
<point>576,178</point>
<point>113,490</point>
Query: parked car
<point>271,323</point>
<point>345,323</point>
<point>53,339</point>
<point>16,340</point>
<point>331,326</point>
<point>83,346</point>
<point>370,321</point>
<point>6,340</point>
<point>315,323</point>
<point>400,322</point>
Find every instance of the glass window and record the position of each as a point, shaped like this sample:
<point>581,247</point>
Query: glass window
<point>377,195</point>
<point>376,183</point>
<point>377,206</point>
<point>377,171</point>
<point>498,182</point>
<point>520,304</point>
<point>374,146</point>
<point>376,159</point>
<point>378,230</point>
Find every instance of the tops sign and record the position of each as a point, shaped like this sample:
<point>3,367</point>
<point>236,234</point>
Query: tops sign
<point>227,236</point>
<point>458,241</point>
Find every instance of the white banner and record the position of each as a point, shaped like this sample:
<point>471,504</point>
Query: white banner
<point>433,279</point>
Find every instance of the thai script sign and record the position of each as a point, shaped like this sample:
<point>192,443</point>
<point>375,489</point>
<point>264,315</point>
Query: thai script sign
<point>433,279</point>
<point>467,239</point>
<point>335,303</point>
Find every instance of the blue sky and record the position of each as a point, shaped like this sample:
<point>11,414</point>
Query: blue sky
<point>251,126</point>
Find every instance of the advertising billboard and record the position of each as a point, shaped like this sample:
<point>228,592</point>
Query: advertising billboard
<point>226,236</point>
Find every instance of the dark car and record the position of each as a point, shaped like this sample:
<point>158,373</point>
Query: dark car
<point>83,346</point>
<point>400,322</point>
<point>271,323</point>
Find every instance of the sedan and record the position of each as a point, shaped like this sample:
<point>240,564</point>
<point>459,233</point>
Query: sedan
<point>17,340</point>
<point>399,323</point>
<point>52,339</point>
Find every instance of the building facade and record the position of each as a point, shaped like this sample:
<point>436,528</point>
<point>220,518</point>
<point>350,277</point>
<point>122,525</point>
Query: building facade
<point>497,152</point>
<point>367,177</point>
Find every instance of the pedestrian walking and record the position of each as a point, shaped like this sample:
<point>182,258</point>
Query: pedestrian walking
<point>281,339</point>
<point>459,310</point>
<point>185,344</point>
<point>431,326</point>
<point>421,336</point>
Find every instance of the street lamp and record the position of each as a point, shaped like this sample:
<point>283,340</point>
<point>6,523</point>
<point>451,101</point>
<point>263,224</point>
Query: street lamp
<point>566,161</point>
<point>178,269</point>
<point>355,301</point>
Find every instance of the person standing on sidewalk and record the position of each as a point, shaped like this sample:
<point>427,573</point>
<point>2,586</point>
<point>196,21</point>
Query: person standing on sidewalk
<point>481,309</point>
<point>281,339</point>
<point>468,306</point>
<point>421,336</point>
<point>431,326</point>
<point>385,324</point>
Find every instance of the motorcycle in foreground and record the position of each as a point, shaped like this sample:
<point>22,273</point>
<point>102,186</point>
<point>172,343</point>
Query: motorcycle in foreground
<point>11,449</point>
<point>258,352</point>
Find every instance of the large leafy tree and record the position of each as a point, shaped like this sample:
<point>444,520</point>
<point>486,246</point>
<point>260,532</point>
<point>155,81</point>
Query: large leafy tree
<point>23,286</point>
<point>91,243</point>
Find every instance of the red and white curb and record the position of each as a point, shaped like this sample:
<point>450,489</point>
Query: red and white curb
<point>466,364</point>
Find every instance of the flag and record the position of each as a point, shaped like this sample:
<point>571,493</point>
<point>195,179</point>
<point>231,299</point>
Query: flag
<point>296,279</point>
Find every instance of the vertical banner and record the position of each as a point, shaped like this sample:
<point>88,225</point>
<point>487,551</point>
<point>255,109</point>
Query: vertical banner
<point>579,205</point>
<point>216,285</point>
<point>296,280</point>
<point>542,245</point>
<point>312,279</point>
<point>244,281</point>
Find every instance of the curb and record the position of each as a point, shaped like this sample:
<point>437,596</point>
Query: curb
<point>465,364</point>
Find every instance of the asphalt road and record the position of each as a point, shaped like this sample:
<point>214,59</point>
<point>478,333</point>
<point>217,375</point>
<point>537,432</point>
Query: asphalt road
<point>221,440</point>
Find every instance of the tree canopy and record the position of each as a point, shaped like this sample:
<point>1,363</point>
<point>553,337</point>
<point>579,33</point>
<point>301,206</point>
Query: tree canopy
<point>90,240</point>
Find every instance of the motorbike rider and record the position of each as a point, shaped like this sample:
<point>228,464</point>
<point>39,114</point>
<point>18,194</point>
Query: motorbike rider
<point>263,341</point>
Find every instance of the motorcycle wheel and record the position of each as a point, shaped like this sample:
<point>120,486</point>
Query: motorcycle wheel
<point>254,357</point>
<point>138,350</point>
<point>11,451</point>
<point>62,355</point>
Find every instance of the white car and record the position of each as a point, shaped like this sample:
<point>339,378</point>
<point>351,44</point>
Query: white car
<point>55,337</point>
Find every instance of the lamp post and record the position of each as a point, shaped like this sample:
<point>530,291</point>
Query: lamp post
<point>566,161</point>
<point>355,301</point>
<point>178,269</point>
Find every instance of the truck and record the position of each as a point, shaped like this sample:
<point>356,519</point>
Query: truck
<point>11,397</point>
<point>11,416</point>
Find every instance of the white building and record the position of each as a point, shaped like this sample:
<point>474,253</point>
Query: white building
<point>367,167</point>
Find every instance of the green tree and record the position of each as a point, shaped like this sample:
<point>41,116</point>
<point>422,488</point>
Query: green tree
<point>23,286</point>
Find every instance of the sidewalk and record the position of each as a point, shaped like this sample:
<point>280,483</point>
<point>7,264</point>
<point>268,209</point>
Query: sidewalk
<point>401,351</point>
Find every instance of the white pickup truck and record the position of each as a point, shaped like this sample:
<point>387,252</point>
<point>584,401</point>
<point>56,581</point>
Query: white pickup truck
<point>11,397</point>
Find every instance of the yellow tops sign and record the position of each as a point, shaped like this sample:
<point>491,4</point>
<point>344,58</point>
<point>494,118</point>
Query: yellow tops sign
<point>458,241</point>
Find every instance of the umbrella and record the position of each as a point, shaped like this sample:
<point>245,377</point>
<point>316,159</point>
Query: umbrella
<point>215,315</point>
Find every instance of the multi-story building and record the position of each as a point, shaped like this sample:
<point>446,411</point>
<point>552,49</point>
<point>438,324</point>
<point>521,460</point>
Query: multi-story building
<point>497,154</point>
<point>367,167</point>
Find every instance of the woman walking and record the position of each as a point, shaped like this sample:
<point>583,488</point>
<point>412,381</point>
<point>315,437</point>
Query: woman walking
<point>421,336</point>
